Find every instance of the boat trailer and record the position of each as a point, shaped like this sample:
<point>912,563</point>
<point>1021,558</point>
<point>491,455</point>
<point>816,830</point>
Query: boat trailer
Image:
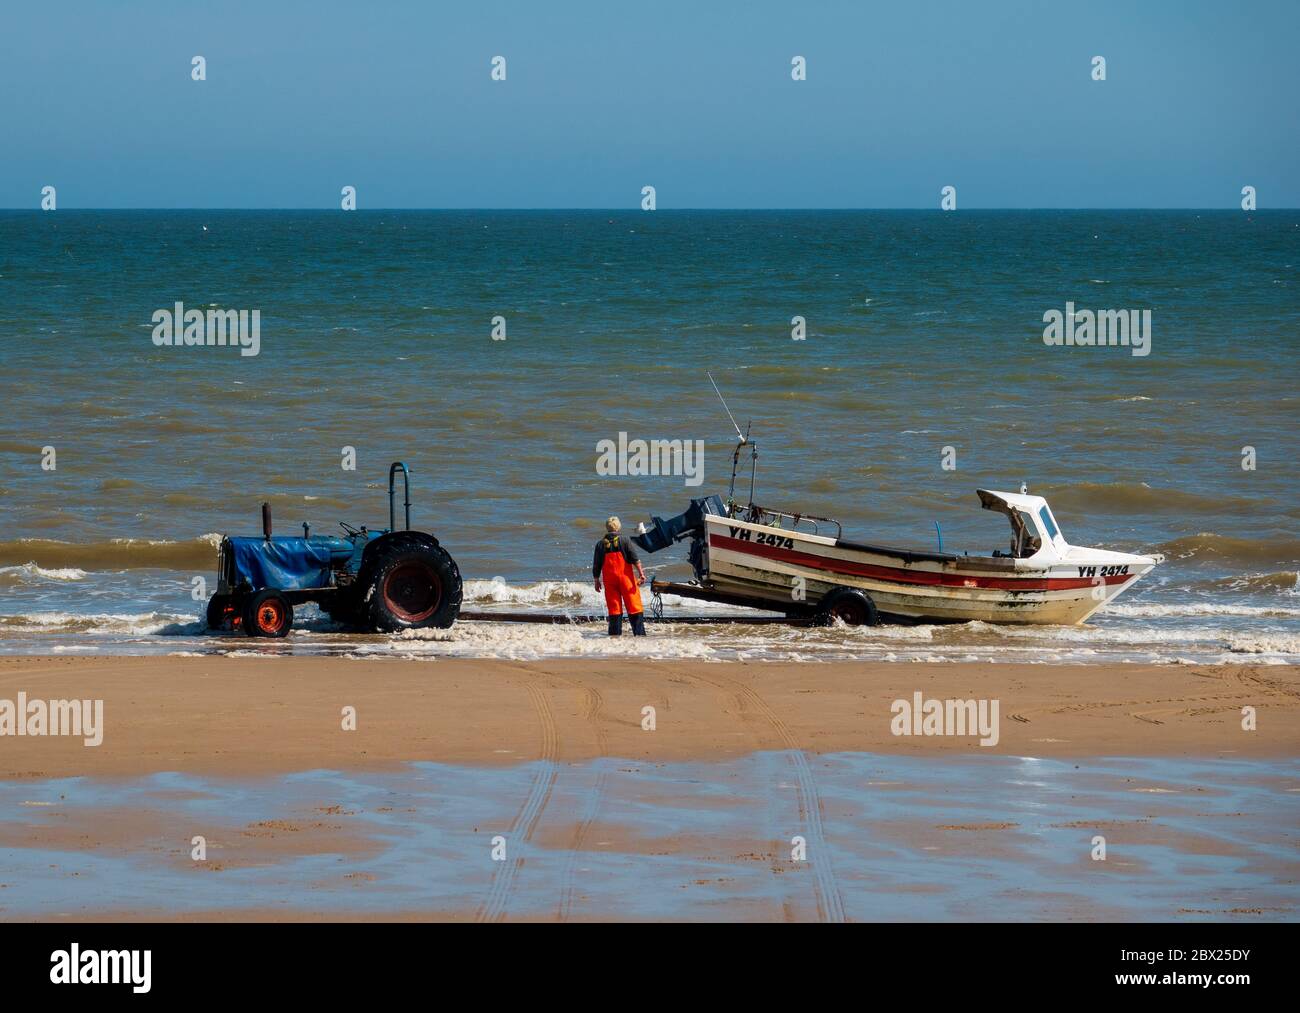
<point>654,616</point>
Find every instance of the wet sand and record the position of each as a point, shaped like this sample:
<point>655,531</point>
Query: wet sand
<point>603,819</point>
<point>772,836</point>
<point>248,715</point>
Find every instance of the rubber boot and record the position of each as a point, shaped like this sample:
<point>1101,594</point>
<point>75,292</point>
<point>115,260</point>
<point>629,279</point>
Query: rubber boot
<point>637,619</point>
<point>616,625</point>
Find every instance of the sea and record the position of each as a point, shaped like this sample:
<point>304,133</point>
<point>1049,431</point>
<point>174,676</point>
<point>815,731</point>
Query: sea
<point>885,363</point>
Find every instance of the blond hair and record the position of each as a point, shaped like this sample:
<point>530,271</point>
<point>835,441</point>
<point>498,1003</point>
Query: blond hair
<point>614,525</point>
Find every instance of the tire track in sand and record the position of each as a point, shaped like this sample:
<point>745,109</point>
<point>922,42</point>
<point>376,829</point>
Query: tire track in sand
<point>830,905</point>
<point>525,821</point>
<point>592,702</point>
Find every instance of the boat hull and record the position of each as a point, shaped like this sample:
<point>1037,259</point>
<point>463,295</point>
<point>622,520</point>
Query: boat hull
<point>794,570</point>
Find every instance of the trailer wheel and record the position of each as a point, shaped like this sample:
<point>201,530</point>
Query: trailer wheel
<point>409,582</point>
<point>221,612</point>
<point>850,606</point>
<point>268,614</point>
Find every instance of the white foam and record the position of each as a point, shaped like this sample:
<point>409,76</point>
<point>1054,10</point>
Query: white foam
<point>1263,643</point>
<point>29,571</point>
<point>567,594</point>
<point>1196,632</point>
<point>532,641</point>
<point>1146,610</point>
<point>102,623</point>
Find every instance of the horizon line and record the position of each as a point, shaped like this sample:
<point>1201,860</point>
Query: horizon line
<point>639,211</point>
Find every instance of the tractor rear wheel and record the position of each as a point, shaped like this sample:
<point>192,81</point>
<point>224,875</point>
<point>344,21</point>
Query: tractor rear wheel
<point>408,582</point>
<point>268,614</point>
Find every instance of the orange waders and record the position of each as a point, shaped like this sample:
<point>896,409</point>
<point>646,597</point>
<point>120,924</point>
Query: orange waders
<point>621,591</point>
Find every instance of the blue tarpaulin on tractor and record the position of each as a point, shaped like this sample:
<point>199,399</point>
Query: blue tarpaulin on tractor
<point>285,563</point>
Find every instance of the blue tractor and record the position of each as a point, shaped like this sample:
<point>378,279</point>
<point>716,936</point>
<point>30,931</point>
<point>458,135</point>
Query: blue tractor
<point>375,580</point>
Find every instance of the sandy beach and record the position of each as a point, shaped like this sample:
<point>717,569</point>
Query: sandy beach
<point>248,715</point>
<point>450,759</point>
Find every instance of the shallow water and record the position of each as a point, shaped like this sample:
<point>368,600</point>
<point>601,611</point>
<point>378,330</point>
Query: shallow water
<point>924,331</point>
<point>1132,630</point>
<point>977,838</point>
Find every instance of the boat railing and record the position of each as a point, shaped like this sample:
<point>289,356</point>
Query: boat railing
<point>759,515</point>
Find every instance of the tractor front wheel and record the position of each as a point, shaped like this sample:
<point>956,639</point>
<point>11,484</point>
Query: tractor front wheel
<point>221,612</point>
<point>268,614</point>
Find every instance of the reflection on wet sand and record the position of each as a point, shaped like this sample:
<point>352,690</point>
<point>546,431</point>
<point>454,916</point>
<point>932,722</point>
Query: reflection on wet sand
<point>892,838</point>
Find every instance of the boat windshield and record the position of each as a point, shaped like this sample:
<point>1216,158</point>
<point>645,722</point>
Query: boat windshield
<point>1049,525</point>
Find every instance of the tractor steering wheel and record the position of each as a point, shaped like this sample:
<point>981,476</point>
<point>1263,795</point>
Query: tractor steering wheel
<point>348,529</point>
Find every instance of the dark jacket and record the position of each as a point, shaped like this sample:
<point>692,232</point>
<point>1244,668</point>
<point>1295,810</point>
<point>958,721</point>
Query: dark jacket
<point>612,543</point>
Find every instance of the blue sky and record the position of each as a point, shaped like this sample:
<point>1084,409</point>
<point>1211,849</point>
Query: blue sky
<point>694,98</point>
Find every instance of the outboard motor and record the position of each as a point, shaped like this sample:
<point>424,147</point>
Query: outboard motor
<point>663,533</point>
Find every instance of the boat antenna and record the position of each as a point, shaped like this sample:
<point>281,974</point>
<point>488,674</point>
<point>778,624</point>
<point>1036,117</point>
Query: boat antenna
<point>744,441</point>
<point>743,437</point>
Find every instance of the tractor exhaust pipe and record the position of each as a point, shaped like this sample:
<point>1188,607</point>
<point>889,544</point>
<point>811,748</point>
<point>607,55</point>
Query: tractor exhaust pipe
<point>392,494</point>
<point>266,521</point>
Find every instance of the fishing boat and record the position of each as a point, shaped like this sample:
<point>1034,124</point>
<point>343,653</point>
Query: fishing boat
<point>803,566</point>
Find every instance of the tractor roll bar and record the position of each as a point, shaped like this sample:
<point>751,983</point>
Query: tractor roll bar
<point>392,492</point>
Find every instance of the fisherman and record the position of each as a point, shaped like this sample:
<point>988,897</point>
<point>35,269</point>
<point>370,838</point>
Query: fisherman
<point>613,564</point>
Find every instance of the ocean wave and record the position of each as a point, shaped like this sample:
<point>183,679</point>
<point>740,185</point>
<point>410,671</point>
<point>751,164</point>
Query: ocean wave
<point>559,593</point>
<point>1101,636</point>
<point>919,632</point>
<point>29,572</point>
<point>102,623</point>
<point>1138,497</point>
<point>1210,546</point>
<point>566,594</point>
<point>1285,581</point>
<point>113,554</point>
<point>1144,610</point>
<point>1263,643</point>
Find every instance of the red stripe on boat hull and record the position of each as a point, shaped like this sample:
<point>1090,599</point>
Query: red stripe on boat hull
<point>899,575</point>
